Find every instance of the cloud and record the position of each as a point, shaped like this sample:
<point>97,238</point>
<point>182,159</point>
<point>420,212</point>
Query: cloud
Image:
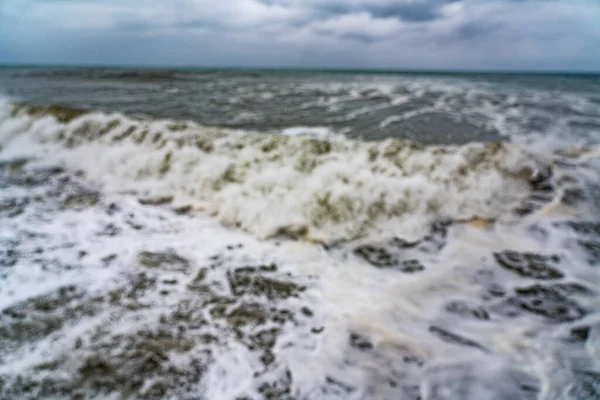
<point>405,10</point>
<point>357,25</point>
<point>463,34</point>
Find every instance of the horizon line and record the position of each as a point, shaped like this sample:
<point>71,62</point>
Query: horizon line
<point>482,71</point>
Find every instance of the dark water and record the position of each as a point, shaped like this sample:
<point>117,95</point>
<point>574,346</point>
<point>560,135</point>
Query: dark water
<point>429,108</point>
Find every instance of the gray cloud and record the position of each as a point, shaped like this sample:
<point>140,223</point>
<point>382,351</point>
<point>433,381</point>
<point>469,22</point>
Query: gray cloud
<point>453,34</point>
<point>411,11</point>
<point>406,10</point>
<point>474,30</point>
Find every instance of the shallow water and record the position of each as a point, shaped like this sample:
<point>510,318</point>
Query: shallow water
<point>143,257</point>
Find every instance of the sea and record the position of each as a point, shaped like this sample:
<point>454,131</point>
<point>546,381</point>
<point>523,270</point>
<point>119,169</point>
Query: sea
<point>223,234</point>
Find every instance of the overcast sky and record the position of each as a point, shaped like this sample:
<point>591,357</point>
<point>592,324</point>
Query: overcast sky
<point>431,34</point>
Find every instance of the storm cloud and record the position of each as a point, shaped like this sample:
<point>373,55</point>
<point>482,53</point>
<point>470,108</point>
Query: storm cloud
<point>431,34</point>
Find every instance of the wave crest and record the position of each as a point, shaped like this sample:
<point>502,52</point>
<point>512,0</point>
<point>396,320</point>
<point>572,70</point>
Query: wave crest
<point>322,189</point>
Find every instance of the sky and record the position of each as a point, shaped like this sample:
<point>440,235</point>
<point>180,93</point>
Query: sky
<point>356,34</point>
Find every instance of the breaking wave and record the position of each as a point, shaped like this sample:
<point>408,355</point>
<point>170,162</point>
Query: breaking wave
<point>112,286</point>
<point>319,188</point>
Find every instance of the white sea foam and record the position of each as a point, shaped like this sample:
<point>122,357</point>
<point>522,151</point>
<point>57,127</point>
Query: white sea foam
<point>360,330</point>
<point>321,132</point>
<point>325,189</point>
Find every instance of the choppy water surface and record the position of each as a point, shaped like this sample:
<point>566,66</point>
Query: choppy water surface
<point>271,235</point>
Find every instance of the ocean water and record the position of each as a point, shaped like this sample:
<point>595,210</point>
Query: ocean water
<point>219,234</point>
